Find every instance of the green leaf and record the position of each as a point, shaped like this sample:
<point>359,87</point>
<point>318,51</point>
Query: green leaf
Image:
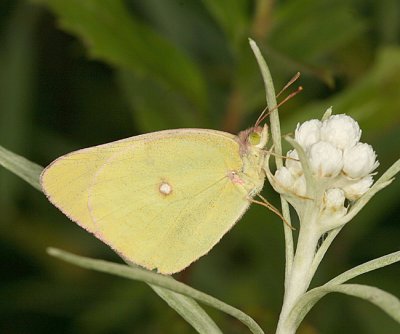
<point>154,106</point>
<point>189,310</point>
<point>309,30</point>
<point>153,278</point>
<point>373,100</point>
<point>116,37</point>
<point>232,16</point>
<point>25,169</point>
<point>386,301</point>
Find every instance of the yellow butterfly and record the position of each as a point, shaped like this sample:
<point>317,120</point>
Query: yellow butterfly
<point>163,199</point>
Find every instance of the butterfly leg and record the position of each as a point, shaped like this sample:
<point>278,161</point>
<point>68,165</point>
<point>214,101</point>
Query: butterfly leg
<point>269,206</point>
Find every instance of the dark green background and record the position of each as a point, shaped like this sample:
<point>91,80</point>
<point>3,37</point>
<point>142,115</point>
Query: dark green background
<point>113,69</point>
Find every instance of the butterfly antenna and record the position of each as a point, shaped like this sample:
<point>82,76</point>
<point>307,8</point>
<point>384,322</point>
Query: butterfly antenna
<point>265,114</point>
<point>287,98</point>
<point>269,206</point>
<point>257,123</point>
<point>271,152</point>
<point>282,156</point>
<point>291,81</point>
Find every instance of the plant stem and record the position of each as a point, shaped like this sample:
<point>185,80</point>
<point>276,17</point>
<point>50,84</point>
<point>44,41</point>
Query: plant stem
<point>300,276</point>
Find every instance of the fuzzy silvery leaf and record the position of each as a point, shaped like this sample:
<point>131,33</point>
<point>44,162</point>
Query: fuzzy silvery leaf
<point>25,169</point>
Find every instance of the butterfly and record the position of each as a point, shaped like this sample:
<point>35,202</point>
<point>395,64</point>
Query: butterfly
<point>163,199</point>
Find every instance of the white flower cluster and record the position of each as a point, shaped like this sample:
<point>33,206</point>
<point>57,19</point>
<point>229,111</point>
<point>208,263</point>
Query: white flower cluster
<point>336,158</point>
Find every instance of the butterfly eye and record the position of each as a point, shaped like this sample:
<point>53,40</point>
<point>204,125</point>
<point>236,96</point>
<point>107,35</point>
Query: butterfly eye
<point>254,138</point>
<point>258,137</point>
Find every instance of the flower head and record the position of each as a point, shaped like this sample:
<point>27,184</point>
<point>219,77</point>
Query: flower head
<point>325,159</point>
<point>284,177</point>
<point>308,133</point>
<point>340,168</point>
<point>334,198</point>
<point>300,186</point>
<point>354,190</point>
<point>293,162</point>
<point>340,130</point>
<point>359,160</point>
<point>333,206</point>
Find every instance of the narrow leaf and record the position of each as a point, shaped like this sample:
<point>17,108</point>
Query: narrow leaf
<point>381,183</point>
<point>271,101</point>
<point>153,278</point>
<point>380,262</point>
<point>386,301</point>
<point>276,138</point>
<point>25,169</point>
<point>189,310</point>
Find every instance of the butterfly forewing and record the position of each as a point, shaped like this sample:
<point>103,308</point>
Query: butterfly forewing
<point>161,200</point>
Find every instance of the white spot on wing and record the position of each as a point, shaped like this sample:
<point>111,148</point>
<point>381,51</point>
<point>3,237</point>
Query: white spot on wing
<point>165,188</point>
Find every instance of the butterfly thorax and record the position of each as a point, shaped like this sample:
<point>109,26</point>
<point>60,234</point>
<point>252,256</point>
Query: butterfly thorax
<point>251,147</point>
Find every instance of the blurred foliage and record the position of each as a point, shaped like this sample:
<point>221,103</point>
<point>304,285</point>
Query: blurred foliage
<point>79,73</point>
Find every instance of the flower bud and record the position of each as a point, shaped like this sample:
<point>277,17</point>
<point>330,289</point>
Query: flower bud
<point>359,160</point>
<point>293,163</point>
<point>308,133</point>
<point>300,186</point>
<point>325,159</point>
<point>341,131</point>
<point>333,204</point>
<point>355,190</point>
<point>334,198</point>
<point>284,177</point>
